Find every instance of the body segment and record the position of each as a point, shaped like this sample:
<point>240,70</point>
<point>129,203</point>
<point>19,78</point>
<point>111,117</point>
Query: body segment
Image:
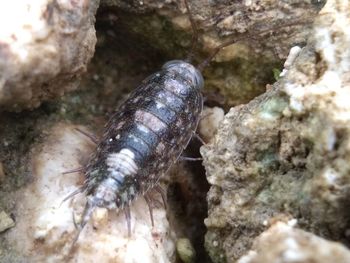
<point>144,137</point>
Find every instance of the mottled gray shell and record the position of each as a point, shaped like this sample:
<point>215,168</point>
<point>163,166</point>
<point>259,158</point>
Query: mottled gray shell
<point>145,136</point>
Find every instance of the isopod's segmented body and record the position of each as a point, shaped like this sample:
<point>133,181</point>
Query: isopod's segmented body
<point>147,134</point>
<point>144,137</point>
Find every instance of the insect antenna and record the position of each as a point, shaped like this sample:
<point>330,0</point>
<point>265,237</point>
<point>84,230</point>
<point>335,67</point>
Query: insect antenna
<point>189,159</point>
<point>92,137</point>
<point>248,36</point>
<point>194,41</point>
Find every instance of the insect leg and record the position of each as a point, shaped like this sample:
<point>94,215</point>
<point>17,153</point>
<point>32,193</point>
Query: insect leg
<point>75,221</point>
<point>128,219</point>
<point>92,137</point>
<point>190,159</point>
<point>76,170</point>
<point>150,207</point>
<point>199,138</point>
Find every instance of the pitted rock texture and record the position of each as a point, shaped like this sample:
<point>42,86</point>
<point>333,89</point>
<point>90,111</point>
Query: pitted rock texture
<point>209,122</point>
<point>37,146</point>
<point>285,154</point>
<point>44,48</point>
<point>240,71</point>
<point>284,244</point>
<point>45,229</point>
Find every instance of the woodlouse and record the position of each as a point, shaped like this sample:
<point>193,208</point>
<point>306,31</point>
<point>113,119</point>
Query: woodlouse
<point>142,139</point>
<point>145,136</point>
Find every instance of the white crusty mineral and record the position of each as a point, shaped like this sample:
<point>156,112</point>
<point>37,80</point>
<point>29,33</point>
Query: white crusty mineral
<point>209,123</point>
<point>45,230</point>
<point>285,244</point>
<point>44,48</point>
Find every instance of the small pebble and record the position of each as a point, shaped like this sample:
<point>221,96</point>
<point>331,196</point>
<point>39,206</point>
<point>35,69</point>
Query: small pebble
<point>100,217</point>
<point>210,122</point>
<point>185,250</point>
<point>6,222</point>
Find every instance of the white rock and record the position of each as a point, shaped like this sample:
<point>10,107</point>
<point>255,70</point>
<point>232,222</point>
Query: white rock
<point>45,228</point>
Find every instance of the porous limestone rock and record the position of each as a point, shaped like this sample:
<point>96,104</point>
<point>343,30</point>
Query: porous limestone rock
<point>44,48</point>
<point>209,123</point>
<point>45,229</point>
<point>240,71</point>
<point>30,138</point>
<point>6,221</point>
<point>286,153</point>
<point>284,244</point>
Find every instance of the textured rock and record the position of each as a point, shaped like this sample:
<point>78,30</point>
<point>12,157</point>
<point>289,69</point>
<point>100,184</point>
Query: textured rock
<point>284,244</point>
<point>209,123</point>
<point>116,70</point>
<point>44,48</point>
<point>35,134</point>
<point>6,222</point>
<point>240,71</point>
<point>285,154</point>
<point>46,224</point>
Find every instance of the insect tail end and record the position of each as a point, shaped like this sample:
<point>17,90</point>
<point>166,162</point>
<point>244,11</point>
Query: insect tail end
<point>78,191</point>
<point>89,208</point>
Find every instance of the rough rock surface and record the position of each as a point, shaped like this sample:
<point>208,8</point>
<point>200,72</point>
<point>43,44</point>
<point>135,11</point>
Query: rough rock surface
<point>45,231</point>
<point>240,71</point>
<point>23,134</point>
<point>6,221</point>
<point>119,65</point>
<point>284,244</point>
<point>286,153</point>
<point>44,48</point>
<point>209,123</point>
